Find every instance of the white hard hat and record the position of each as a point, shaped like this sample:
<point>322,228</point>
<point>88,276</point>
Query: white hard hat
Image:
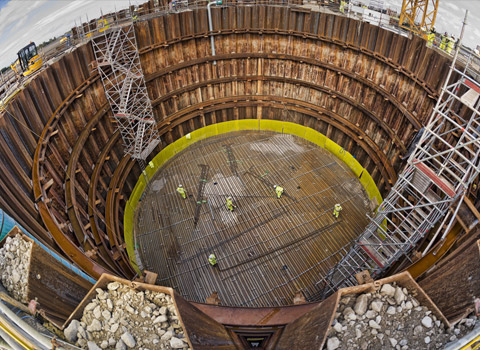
<point>274,186</point>
<point>229,197</point>
<point>211,256</point>
<point>179,185</point>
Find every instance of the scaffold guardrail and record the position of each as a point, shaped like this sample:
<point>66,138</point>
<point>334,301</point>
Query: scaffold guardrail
<point>429,190</point>
<point>118,64</point>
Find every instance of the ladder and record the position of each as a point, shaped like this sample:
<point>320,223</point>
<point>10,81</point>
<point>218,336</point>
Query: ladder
<point>435,179</point>
<point>118,64</point>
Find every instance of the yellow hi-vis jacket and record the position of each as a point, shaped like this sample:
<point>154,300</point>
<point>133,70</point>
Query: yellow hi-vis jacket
<point>431,39</point>
<point>450,44</point>
<point>279,191</point>
<point>212,259</point>
<point>230,205</point>
<point>337,210</point>
<point>181,190</point>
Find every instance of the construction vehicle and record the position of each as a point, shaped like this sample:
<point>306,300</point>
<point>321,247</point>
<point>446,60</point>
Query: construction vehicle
<point>67,40</point>
<point>28,61</point>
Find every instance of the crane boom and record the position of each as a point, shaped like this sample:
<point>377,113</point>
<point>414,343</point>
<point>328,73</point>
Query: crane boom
<point>419,16</point>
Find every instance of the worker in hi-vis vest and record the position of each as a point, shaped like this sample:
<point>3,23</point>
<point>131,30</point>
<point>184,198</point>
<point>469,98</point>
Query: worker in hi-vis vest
<point>182,191</point>
<point>212,259</point>
<point>278,190</point>
<point>230,205</point>
<point>337,210</point>
<point>450,45</point>
<point>443,43</point>
<point>431,39</point>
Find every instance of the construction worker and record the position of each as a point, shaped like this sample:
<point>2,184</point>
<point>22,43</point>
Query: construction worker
<point>450,44</point>
<point>443,43</point>
<point>230,205</point>
<point>430,39</point>
<point>278,190</point>
<point>337,210</point>
<point>212,259</point>
<point>182,191</point>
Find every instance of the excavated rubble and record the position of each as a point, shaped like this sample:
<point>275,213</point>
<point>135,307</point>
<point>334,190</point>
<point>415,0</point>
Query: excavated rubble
<point>390,319</point>
<point>14,266</point>
<point>123,318</point>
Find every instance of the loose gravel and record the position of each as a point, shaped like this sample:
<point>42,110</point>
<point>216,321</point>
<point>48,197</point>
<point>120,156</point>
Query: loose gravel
<point>390,319</point>
<point>122,318</point>
<point>15,265</point>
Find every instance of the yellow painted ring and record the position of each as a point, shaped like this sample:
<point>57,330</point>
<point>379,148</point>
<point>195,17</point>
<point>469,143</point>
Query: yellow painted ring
<point>236,125</point>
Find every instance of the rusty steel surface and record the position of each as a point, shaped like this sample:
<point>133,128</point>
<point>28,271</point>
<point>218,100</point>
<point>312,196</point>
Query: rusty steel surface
<point>71,250</point>
<point>75,210</point>
<point>93,197</point>
<point>318,112</point>
<point>361,38</point>
<point>454,283</point>
<point>261,317</point>
<point>267,248</point>
<point>112,220</point>
<point>363,87</point>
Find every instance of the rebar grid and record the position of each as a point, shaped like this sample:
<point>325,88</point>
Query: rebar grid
<point>267,249</point>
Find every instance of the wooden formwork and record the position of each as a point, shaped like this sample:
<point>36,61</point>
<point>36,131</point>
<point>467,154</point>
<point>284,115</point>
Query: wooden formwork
<point>201,331</point>
<point>310,331</point>
<point>57,289</point>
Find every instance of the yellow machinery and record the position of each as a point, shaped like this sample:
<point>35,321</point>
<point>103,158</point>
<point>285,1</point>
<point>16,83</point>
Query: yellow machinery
<point>419,16</point>
<point>28,62</point>
<point>102,25</point>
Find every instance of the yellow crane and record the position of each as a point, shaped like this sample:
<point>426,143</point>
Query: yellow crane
<point>419,16</point>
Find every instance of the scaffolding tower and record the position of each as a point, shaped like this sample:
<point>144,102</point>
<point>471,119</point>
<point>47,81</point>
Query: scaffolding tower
<point>118,64</point>
<point>435,179</point>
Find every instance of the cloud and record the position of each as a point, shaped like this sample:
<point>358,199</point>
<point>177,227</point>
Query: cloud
<point>22,21</point>
<point>450,19</point>
<point>452,6</point>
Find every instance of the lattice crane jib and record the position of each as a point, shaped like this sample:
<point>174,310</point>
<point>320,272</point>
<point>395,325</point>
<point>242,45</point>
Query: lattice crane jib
<point>419,16</point>
<point>118,63</point>
<point>429,189</point>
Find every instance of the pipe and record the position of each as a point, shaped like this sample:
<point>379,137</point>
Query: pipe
<point>443,223</point>
<point>10,343</point>
<point>33,333</point>
<point>210,25</point>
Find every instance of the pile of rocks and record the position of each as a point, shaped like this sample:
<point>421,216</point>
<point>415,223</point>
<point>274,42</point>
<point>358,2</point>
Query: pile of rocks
<point>122,318</point>
<point>389,319</point>
<point>15,266</point>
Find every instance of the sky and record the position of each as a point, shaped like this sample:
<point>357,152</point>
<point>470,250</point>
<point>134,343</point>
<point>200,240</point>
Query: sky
<point>22,21</point>
<point>450,15</point>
